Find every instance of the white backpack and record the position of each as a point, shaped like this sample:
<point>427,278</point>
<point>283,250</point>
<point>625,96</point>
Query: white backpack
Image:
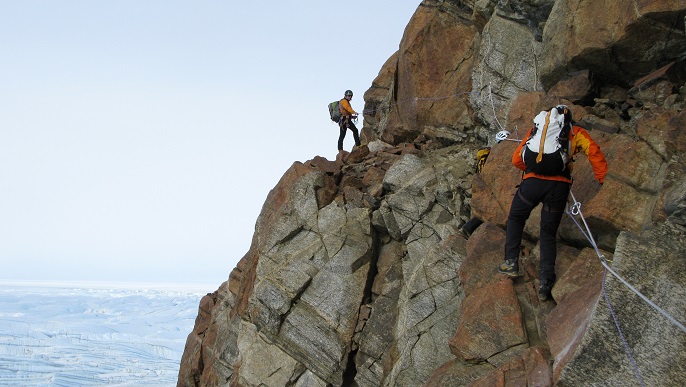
<point>547,150</point>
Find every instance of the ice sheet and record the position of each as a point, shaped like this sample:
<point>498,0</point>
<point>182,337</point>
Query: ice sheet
<point>61,335</point>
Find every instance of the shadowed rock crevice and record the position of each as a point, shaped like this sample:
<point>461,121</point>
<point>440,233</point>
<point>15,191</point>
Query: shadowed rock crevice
<point>365,310</point>
<point>528,303</point>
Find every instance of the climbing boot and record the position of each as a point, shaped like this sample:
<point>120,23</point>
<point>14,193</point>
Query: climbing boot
<point>509,267</point>
<point>545,289</point>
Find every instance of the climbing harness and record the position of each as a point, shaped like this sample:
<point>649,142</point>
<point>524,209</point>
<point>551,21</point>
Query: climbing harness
<point>574,211</point>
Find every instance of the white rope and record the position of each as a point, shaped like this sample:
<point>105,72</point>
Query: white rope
<point>495,116</point>
<point>576,210</point>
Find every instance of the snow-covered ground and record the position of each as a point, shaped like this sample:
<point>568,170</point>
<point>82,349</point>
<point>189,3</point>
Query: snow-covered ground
<point>93,334</point>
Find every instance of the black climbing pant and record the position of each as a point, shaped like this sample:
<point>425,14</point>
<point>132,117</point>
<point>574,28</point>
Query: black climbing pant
<point>532,191</point>
<point>344,124</point>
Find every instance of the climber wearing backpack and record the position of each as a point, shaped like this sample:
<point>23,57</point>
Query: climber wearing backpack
<point>545,156</point>
<point>346,120</point>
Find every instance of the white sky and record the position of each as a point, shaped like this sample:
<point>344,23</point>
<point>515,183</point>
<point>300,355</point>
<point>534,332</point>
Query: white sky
<point>139,139</point>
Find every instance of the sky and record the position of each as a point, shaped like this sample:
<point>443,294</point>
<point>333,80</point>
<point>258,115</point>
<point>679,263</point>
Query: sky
<point>139,139</point>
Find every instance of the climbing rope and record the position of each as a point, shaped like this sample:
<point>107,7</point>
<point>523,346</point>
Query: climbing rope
<point>495,116</point>
<point>575,210</point>
<point>621,334</point>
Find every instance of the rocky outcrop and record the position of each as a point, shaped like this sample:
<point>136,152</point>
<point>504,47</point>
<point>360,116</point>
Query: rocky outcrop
<point>624,42</point>
<point>358,273</point>
<point>421,90</point>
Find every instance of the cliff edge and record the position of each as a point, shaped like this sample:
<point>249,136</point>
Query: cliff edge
<point>358,275</point>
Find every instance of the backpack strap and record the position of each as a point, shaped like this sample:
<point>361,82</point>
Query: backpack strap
<point>545,131</point>
<point>567,133</point>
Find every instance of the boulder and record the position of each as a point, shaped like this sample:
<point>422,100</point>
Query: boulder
<point>578,88</point>
<point>646,261</point>
<point>428,85</point>
<point>506,67</point>
<point>491,322</point>
<point>624,49</point>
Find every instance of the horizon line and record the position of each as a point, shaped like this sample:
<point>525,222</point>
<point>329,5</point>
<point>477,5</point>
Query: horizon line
<point>109,284</point>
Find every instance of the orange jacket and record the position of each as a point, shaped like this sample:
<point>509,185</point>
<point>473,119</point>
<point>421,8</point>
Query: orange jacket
<point>580,141</point>
<point>345,108</point>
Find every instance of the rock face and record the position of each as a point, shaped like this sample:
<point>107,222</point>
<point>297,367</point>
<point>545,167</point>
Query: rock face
<point>358,274</point>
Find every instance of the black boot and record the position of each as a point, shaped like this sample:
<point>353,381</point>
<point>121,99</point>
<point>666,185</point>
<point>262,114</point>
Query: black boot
<point>545,290</point>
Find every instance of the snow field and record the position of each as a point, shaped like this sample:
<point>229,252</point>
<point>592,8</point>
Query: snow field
<point>83,336</point>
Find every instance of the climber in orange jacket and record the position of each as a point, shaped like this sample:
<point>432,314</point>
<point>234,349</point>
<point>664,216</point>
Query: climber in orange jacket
<point>348,114</point>
<point>580,141</point>
<point>552,190</point>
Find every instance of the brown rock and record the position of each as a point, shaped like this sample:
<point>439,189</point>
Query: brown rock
<point>627,197</point>
<point>199,363</point>
<point>623,50</point>
<point>578,88</point>
<point>235,280</point>
<point>484,253</point>
<point>529,369</point>
<point>457,373</point>
<point>663,130</point>
<point>373,176</point>
<point>324,165</point>
<point>351,180</point>
<point>191,362</point>
<point>674,72</point>
<point>327,192</point>
<point>491,322</point>
<point>494,187</point>
<point>522,113</point>
<point>567,323</point>
<point>353,196</point>
<point>357,155</point>
<point>576,269</point>
<point>597,123</point>
<point>247,268</point>
<point>341,156</point>
<point>433,73</point>
<point>378,99</point>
